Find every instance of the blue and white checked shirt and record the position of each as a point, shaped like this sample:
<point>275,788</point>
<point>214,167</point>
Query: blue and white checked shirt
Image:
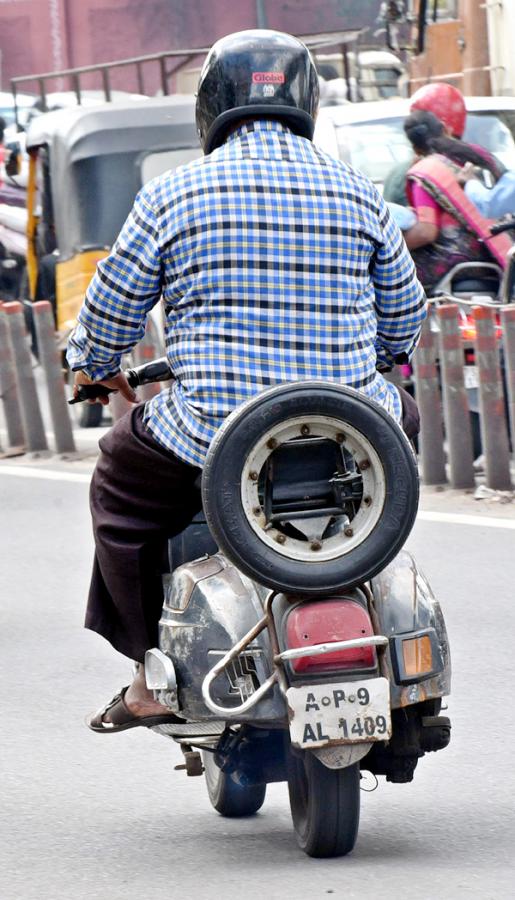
<point>276,263</point>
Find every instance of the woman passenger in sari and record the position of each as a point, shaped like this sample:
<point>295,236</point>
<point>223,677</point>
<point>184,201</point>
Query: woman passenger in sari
<point>449,230</point>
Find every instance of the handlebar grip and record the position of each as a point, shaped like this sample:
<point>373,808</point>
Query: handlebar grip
<point>499,227</point>
<point>149,373</point>
<point>90,392</point>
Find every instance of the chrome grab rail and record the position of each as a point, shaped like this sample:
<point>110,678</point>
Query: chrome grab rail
<point>319,649</point>
<point>233,711</point>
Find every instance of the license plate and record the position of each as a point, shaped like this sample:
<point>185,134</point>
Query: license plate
<point>471,376</point>
<point>342,713</point>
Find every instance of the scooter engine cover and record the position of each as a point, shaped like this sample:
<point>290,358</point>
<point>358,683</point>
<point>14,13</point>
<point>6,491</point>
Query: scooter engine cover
<point>310,487</point>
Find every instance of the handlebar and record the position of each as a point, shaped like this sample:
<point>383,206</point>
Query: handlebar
<point>503,225</point>
<point>148,373</point>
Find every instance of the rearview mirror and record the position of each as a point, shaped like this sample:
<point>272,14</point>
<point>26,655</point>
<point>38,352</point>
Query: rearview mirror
<point>13,161</point>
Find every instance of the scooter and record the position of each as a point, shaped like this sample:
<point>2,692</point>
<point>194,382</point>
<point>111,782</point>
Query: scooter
<point>298,641</point>
<point>477,284</point>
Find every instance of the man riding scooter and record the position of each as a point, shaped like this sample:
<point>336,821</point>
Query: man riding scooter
<point>275,263</point>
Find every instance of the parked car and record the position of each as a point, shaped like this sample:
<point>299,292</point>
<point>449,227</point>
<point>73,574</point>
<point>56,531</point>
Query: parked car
<point>370,136</point>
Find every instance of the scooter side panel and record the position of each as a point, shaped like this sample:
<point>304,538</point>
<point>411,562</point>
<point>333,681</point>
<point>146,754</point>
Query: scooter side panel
<point>209,606</point>
<point>404,602</point>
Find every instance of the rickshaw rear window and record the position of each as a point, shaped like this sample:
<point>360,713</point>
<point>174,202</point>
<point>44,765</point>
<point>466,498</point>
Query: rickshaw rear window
<point>105,189</point>
<point>158,162</point>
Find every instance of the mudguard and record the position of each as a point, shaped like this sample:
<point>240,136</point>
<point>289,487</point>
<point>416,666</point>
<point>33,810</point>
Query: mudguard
<point>404,602</point>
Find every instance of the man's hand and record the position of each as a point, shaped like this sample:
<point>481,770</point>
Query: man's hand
<point>467,173</point>
<point>116,383</point>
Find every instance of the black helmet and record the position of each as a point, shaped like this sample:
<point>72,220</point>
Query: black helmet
<point>256,73</point>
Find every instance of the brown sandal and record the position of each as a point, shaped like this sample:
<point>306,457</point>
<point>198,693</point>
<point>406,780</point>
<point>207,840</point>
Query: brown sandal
<point>122,718</point>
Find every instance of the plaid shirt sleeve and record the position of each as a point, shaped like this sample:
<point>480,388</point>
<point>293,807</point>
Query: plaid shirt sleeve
<point>125,287</point>
<point>400,299</point>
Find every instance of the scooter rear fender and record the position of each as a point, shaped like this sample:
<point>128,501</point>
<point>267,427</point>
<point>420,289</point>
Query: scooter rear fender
<point>403,602</point>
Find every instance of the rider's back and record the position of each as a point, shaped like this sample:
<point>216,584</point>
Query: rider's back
<point>268,251</point>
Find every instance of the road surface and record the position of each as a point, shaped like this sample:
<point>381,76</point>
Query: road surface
<point>94,816</point>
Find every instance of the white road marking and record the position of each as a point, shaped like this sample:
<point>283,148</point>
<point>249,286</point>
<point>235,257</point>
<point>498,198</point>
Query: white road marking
<point>463,519</point>
<point>49,474</point>
<point>424,515</point>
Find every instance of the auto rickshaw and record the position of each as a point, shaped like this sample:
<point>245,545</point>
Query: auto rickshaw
<point>85,167</point>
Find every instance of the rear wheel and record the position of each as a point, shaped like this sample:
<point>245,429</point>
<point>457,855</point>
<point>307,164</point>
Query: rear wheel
<point>230,799</point>
<point>324,805</point>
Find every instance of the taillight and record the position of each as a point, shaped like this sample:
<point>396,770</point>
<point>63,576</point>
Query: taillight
<point>468,328</point>
<point>326,621</point>
<point>469,331</point>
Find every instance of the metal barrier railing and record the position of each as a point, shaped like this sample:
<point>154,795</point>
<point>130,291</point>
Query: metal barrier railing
<point>449,435</point>
<point>451,426</point>
<point>20,398</point>
<point>427,392</point>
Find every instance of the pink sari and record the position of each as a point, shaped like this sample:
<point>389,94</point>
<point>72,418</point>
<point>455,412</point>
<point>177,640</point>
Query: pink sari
<point>437,175</point>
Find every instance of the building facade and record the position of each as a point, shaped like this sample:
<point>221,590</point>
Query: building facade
<point>456,48</point>
<point>47,35</point>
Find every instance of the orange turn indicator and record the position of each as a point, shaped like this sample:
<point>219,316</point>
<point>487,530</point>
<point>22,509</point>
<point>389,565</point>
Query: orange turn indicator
<point>418,656</point>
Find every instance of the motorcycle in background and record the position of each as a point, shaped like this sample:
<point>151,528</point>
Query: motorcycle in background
<point>468,285</point>
<point>298,641</point>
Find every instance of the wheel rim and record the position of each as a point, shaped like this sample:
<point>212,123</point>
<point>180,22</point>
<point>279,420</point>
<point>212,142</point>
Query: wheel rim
<point>342,537</point>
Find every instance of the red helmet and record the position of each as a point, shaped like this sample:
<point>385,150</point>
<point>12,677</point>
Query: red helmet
<point>445,102</point>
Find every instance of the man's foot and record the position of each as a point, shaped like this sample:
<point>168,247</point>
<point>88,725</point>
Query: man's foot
<point>139,700</point>
<point>134,706</point>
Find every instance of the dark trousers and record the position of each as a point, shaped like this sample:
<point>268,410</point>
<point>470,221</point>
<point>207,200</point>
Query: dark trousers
<point>410,414</point>
<point>141,494</point>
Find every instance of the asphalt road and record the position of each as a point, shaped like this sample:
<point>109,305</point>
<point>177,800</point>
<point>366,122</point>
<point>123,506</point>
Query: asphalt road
<point>91,816</point>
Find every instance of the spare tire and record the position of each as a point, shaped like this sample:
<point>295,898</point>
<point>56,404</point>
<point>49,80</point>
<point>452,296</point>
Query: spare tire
<point>363,546</point>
